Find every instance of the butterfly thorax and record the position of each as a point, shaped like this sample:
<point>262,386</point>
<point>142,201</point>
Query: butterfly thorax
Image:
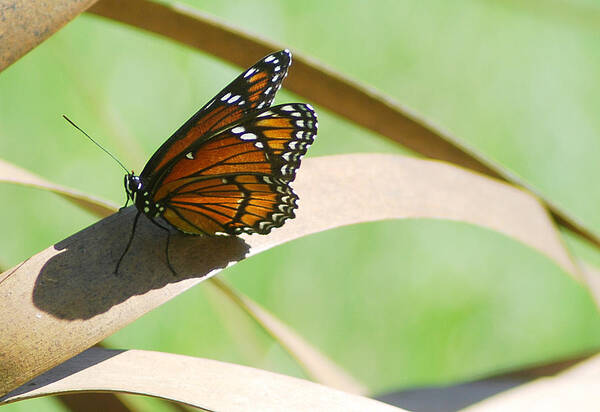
<point>136,190</point>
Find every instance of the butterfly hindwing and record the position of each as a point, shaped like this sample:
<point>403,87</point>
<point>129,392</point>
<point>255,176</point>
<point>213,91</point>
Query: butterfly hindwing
<point>241,203</point>
<point>252,90</point>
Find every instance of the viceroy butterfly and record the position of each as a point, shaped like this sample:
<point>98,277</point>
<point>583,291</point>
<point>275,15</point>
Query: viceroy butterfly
<point>227,170</point>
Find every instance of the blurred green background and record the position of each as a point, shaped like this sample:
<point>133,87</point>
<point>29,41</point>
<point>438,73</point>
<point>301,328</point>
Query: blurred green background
<point>397,304</point>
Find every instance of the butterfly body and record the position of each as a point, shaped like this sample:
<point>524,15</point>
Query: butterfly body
<point>136,190</point>
<point>227,170</point>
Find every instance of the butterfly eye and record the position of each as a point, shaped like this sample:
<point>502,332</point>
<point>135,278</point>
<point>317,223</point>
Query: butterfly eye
<point>134,183</point>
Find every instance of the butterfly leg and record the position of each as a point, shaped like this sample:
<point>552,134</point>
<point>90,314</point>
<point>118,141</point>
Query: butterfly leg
<point>125,205</point>
<point>128,243</point>
<point>167,254</point>
<point>166,246</point>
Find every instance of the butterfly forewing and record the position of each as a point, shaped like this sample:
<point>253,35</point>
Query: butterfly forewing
<point>252,90</point>
<point>270,142</point>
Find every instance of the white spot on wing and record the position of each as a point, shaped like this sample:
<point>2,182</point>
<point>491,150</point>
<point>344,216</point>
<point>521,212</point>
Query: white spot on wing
<point>233,99</point>
<point>238,130</point>
<point>269,58</point>
<point>264,225</point>
<point>227,96</point>
<point>190,155</point>
<point>248,136</point>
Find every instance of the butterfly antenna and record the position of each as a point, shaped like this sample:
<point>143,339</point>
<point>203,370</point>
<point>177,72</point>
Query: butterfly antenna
<point>96,143</point>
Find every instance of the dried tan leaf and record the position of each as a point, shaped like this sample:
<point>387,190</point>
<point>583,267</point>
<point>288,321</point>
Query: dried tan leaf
<point>27,23</point>
<point>66,298</point>
<point>204,383</point>
<point>316,365</point>
<point>10,173</point>
<point>576,389</point>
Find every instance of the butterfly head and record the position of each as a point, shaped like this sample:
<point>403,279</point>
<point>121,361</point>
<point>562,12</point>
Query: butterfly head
<point>133,185</point>
<point>139,195</point>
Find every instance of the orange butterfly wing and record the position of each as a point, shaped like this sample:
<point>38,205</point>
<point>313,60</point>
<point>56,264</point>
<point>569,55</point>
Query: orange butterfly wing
<point>238,180</point>
<point>252,90</point>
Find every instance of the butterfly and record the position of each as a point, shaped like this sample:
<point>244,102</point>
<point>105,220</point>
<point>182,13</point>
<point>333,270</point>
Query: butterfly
<point>227,170</point>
